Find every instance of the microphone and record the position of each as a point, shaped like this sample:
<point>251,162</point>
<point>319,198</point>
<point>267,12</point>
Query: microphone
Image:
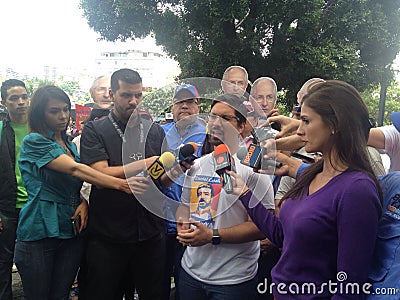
<point>157,168</point>
<point>253,158</point>
<point>186,152</point>
<point>222,163</point>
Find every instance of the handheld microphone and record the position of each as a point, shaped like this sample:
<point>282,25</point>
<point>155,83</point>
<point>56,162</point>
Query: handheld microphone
<point>223,163</point>
<point>157,168</point>
<point>253,158</point>
<point>186,152</point>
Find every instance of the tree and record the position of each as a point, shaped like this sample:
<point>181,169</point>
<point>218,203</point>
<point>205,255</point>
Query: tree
<point>71,87</point>
<point>33,83</point>
<point>371,98</point>
<point>289,40</point>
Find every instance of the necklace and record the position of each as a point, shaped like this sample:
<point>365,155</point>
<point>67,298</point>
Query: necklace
<point>121,134</point>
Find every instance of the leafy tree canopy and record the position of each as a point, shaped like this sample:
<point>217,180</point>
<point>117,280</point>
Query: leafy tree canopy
<point>289,40</point>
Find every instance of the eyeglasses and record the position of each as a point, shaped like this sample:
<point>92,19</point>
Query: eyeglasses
<point>213,117</point>
<point>16,97</point>
<point>188,102</point>
<point>101,90</point>
<point>269,98</point>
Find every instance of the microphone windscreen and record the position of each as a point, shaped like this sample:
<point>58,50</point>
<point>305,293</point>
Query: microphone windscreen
<point>187,150</point>
<point>167,159</point>
<point>194,146</point>
<point>222,148</point>
<point>242,152</point>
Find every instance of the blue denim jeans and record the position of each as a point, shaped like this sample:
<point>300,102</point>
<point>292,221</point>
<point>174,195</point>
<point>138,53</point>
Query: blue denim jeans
<point>48,267</point>
<point>190,288</point>
<point>7,242</point>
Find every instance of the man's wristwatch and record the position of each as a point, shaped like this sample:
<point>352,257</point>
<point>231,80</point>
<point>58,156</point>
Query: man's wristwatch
<point>216,239</point>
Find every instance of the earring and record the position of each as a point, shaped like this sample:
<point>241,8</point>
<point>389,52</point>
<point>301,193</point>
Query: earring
<point>333,132</point>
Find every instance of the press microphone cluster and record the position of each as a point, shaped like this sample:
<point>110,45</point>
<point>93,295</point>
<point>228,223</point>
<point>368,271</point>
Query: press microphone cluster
<point>223,162</point>
<point>168,159</point>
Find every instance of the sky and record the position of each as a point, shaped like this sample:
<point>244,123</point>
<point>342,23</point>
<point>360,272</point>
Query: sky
<point>36,33</point>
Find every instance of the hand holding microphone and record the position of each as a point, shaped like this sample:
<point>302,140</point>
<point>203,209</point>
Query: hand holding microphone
<point>223,162</point>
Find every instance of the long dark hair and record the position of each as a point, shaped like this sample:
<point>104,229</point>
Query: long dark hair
<point>37,109</point>
<point>341,107</point>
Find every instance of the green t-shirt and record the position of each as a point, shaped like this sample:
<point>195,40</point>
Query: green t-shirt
<point>20,131</point>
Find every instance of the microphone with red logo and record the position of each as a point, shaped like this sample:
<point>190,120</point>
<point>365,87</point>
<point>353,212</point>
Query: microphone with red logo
<point>223,162</point>
<point>186,153</point>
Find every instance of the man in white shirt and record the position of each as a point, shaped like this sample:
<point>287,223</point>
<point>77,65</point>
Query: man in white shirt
<point>387,138</point>
<point>220,261</point>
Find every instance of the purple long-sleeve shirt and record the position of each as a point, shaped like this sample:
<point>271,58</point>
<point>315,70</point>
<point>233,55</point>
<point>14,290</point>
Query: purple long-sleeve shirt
<point>324,237</point>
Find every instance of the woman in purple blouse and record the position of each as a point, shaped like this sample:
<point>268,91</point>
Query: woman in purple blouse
<point>327,226</point>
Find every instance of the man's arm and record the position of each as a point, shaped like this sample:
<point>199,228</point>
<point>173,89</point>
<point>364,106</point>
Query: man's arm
<point>376,138</point>
<point>130,169</point>
<point>289,143</point>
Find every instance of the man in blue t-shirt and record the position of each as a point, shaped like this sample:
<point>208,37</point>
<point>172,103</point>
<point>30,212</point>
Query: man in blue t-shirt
<point>185,128</point>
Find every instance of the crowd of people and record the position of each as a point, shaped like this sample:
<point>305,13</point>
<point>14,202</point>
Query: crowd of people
<point>104,211</point>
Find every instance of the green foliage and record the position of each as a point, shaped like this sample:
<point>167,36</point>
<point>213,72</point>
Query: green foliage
<point>392,104</point>
<point>289,40</point>
<point>158,102</point>
<point>33,83</point>
<point>71,87</point>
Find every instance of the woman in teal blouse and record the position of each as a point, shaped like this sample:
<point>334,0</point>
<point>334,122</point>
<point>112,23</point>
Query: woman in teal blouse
<point>47,251</point>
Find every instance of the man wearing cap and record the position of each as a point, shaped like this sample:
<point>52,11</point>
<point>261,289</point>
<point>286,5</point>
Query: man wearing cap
<point>387,138</point>
<point>12,192</point>
<point>185,128</point>
<point>220,261</point>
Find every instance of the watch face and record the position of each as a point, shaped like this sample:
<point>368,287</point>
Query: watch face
<point>216,240</point>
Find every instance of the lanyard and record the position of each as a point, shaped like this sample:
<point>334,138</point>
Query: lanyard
<point>121,134</point>
<point>134,156</point>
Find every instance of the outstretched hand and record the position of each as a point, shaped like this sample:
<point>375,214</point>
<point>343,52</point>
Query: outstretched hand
<point>288,125</point>
<point>137,185</point>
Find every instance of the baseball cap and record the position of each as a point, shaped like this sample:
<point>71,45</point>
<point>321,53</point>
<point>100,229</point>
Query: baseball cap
<point>395,117</point>
<point>184,92</point>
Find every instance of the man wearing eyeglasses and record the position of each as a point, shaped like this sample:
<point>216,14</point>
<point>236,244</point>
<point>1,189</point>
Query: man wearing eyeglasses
<point>12,192</point>
<point>220,261</point>
<point>100,92</point>
<point>235,81</point>
<point>263,95</point>
<point>185,128</point>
